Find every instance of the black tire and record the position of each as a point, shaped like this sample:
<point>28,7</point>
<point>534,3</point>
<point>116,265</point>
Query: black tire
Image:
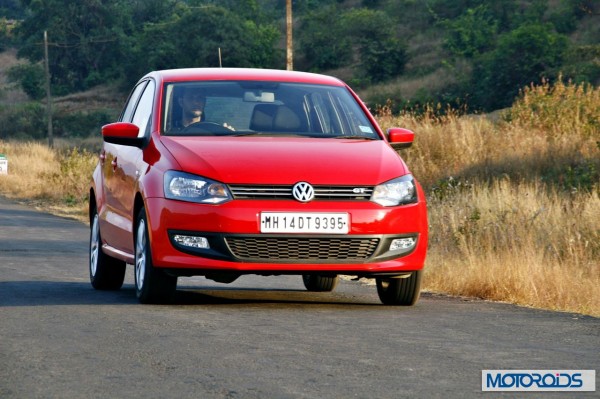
<point>106,273</point>
<point>317,283</point>
<point>152,285</point>
<point>400,291</point>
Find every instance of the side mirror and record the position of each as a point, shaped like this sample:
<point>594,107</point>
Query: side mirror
<point>123,133</point>
<point>400,138</point>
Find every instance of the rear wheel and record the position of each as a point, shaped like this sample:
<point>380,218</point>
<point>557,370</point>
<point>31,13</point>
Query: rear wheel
<point>152,285</point>
<point>400,291</point>
<point>317,283</point>
<point>106,273</point>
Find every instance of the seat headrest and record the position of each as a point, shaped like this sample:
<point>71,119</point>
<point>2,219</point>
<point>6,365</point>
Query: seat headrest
<point>286,120</point>
<point>263,116</point>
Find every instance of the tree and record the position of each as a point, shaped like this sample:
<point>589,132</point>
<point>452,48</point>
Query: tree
<point>31,79</point>
<point>151,11</point>
<point>362,37</point>
<point>192,38</point>
<point>87,39</point>
<point>324,43</point>
<point>472,33</point>
<point>11,9</point>
<point>381,55</point>
<point>522,56</point>
<point>5,35</point>
<point>246,9</point>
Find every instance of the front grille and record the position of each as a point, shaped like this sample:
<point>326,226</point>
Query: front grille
<point>351,193</point>
<point>302,248</point>
<point>261,192</point>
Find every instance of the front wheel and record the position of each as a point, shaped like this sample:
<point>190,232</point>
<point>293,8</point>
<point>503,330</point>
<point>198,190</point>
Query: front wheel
<point>106,273</point>
<point>152,285</point>
<point>317,283</point>
<point>400,291</point>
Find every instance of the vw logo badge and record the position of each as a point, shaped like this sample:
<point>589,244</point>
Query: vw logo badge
<point>303,192</point>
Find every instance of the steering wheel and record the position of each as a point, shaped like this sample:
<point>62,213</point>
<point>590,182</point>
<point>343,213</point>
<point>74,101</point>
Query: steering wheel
<point>205,127</point>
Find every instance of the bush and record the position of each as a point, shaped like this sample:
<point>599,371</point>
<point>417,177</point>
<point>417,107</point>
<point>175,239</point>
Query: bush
<point>4,35</point>
<point>559,109</point>
<point>584,64</point>
<point>582,177</point>
<point>76,167</point>
<point>26,121</point>
<point>522,56</point>
<point>31,79</point>
<point>80,124</point>
<point>542,110</point>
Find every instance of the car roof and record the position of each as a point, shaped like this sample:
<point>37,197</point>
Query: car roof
<point>195,74</point>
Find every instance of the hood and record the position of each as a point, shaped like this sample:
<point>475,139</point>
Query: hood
<point>286,160</point>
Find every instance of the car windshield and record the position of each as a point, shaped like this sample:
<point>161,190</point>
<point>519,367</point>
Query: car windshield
<point>263,108</point>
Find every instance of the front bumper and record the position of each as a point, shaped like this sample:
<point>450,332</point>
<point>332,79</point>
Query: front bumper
<point>295,248</point>
<point>237,245</point>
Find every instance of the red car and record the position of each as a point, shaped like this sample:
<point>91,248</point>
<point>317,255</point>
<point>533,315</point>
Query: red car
<point>225,172</point>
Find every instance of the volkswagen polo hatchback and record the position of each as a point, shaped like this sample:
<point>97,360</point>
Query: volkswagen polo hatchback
<point>226,172</point>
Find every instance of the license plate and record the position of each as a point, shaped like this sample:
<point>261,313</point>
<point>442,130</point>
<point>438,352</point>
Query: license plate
<point>303,222</point>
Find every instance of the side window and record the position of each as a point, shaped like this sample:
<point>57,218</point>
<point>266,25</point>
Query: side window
<point>143,112</point>
<point>132,101</point>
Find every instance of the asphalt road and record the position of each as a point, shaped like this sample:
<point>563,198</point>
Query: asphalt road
<point>261,337</point>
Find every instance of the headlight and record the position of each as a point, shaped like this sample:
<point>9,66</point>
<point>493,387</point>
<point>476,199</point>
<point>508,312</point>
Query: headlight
<point>187,187</point>
<point>399,191</point>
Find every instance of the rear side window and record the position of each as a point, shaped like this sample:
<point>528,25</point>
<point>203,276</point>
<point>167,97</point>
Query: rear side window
<point>143,111</point>
<point>132,101</point>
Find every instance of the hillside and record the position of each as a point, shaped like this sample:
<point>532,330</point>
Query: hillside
<point>76,116</point>
<point>456,52</point>
<point>471,54</point>
<point>9,93</point>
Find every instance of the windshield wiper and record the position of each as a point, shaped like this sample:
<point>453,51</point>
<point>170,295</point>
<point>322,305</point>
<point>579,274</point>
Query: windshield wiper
<point>271,134</point>
<point>355,138</point>
<point>248,134</point>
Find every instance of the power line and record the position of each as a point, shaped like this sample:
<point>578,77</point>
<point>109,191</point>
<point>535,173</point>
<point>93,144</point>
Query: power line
<point>74,44</point>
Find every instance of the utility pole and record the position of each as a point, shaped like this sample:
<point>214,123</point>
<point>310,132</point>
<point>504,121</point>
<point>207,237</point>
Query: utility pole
<point>290,46</point>
<point>48,96</point>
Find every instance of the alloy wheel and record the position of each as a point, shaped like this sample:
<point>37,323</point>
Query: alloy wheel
<point>140,255</point>
<point>94,246</point>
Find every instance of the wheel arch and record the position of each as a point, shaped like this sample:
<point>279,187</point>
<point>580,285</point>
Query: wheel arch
<point>138,204</point>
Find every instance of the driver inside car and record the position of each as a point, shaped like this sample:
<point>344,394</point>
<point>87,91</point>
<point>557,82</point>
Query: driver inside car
<point>192,102</point>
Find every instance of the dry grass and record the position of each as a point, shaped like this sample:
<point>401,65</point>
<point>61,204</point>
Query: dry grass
<point>103,97</point>
<point>411,87</point>
<point>514,204</point>
<point>51,180</point>
<point>517,242</point>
